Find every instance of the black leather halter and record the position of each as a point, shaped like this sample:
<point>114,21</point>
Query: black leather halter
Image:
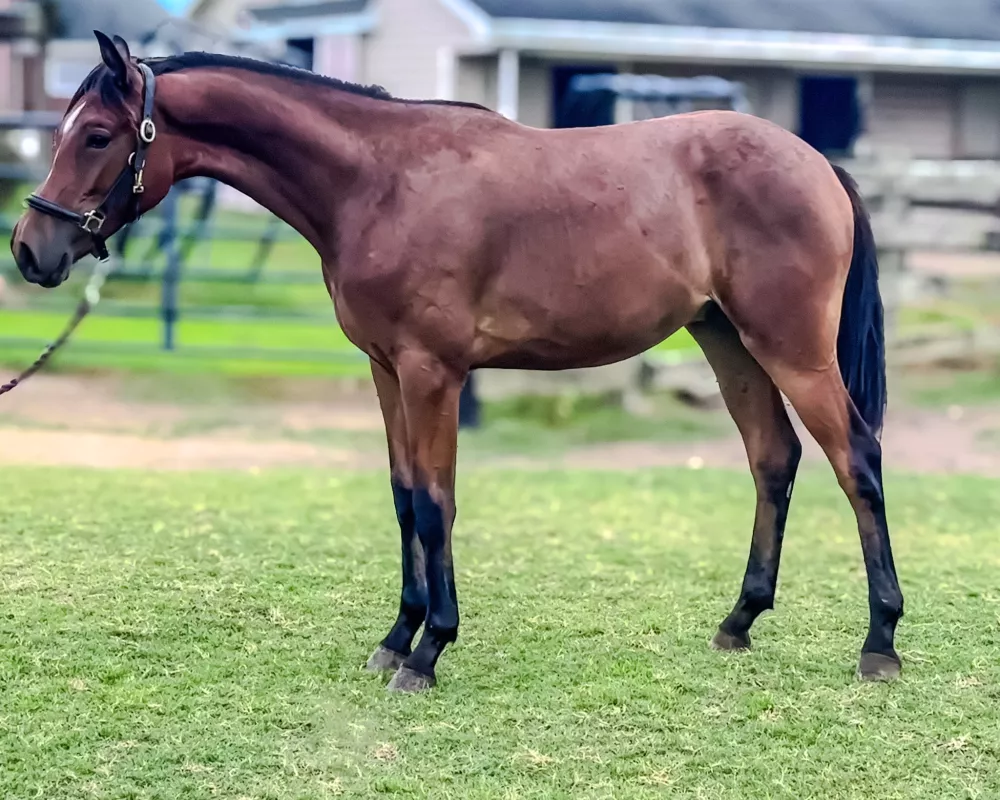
<point>92,221</point>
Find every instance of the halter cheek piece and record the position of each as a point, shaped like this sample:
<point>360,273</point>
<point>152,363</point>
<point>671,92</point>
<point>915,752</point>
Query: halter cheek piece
<point>93,221</point>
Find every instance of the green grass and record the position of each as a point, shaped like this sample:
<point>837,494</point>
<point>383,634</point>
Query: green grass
<point>200,635</point>
<point>958,316</point>
<point>277,346</point>
<point>134,344</point>
<point>552,425</point>
<point>941,387</point>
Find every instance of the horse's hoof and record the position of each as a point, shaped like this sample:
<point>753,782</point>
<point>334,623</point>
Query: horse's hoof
<point>384,660</point>
<point>879,667</point>
<point>409,680</point>
<point>726,641</point>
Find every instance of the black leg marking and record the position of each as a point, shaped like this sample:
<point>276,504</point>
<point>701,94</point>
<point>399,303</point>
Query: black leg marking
<point>413,598</point>
<point>774,494</point>
<point>441,624</point>
<point>885,600</point>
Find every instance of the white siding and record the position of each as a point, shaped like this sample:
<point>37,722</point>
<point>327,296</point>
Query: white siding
<point>476,80</point>
<point>536,94</point>
<point>338,57</point>
<point>914,114</point>
<point>401,54</point>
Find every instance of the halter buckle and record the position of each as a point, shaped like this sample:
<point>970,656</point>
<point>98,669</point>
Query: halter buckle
<point>137,187</point>
<point>147,131</point>
<point>92,222</point>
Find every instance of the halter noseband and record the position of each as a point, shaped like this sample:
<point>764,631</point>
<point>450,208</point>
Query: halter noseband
<point>92,221</point>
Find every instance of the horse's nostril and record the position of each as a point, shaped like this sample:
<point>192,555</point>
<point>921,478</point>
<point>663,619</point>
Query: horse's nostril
<point>26,261</point>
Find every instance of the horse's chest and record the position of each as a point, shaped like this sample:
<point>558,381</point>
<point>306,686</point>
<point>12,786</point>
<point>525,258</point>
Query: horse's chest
<point>364,309</point>
<point>350,317</point>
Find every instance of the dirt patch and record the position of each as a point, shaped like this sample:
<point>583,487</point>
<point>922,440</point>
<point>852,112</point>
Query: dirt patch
<point>955,440</point>
<point>104,403</point>
<point>92,421</point>
<point>86,421</point>
<point>108,450</point>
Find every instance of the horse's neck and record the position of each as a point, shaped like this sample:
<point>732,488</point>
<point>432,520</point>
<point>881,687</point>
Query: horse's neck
<point>299,156</point>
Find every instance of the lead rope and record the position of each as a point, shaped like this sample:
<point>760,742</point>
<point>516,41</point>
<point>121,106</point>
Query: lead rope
<point>91,297</point>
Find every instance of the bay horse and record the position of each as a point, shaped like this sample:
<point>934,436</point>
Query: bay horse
<point>452,238</point>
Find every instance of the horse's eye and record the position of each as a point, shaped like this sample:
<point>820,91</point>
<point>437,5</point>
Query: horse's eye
<point>98,141</point>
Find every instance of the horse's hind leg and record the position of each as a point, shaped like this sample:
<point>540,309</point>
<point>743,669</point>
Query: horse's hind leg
<point>798,350</point>
<point>773,451</point>
<point>826,409</point>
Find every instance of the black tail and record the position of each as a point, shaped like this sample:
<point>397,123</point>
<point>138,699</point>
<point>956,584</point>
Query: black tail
<point>861,339</point>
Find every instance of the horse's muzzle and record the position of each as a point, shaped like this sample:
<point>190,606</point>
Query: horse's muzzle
<point>45,264</point>
<point>33,270</point>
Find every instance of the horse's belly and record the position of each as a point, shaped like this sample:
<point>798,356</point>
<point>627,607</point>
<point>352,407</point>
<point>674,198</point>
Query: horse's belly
<point>546,355</point>
<point>573,329</point>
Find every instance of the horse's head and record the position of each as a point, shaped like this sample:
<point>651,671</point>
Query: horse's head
<point>99,179</point>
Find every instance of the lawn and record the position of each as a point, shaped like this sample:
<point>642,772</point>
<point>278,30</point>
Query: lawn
<point>200,635</point>
<point>220,330</point>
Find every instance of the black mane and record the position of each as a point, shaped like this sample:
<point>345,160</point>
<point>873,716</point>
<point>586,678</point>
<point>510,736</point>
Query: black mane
<point>100,78</point>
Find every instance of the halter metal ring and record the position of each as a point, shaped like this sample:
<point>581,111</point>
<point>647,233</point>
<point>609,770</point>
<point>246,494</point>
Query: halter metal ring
<point>147,130</point>
<point>92,222</point>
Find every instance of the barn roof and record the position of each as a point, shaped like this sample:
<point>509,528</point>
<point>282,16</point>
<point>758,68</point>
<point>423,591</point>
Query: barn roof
<point>316,8</point>
<point>919,19</point>
<point>944,36</point>
<point>912,19</point>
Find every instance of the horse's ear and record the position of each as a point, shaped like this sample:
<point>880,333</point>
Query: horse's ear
<point>113,59</point>
<point>122,47</point>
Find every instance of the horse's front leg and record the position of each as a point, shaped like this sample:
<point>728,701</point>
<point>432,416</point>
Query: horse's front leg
<point>430,391</point>
<point>395,647</point>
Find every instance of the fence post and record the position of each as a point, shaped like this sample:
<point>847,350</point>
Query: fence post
<point>202,219</point>
<point>171,272</point>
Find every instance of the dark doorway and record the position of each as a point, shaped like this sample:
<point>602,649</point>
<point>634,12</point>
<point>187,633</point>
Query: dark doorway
<point>300,53</point>
<point>829,113</point>
<point>587,110</point>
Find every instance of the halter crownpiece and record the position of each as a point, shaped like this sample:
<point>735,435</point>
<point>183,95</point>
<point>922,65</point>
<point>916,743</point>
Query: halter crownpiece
<point>92,221</point>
